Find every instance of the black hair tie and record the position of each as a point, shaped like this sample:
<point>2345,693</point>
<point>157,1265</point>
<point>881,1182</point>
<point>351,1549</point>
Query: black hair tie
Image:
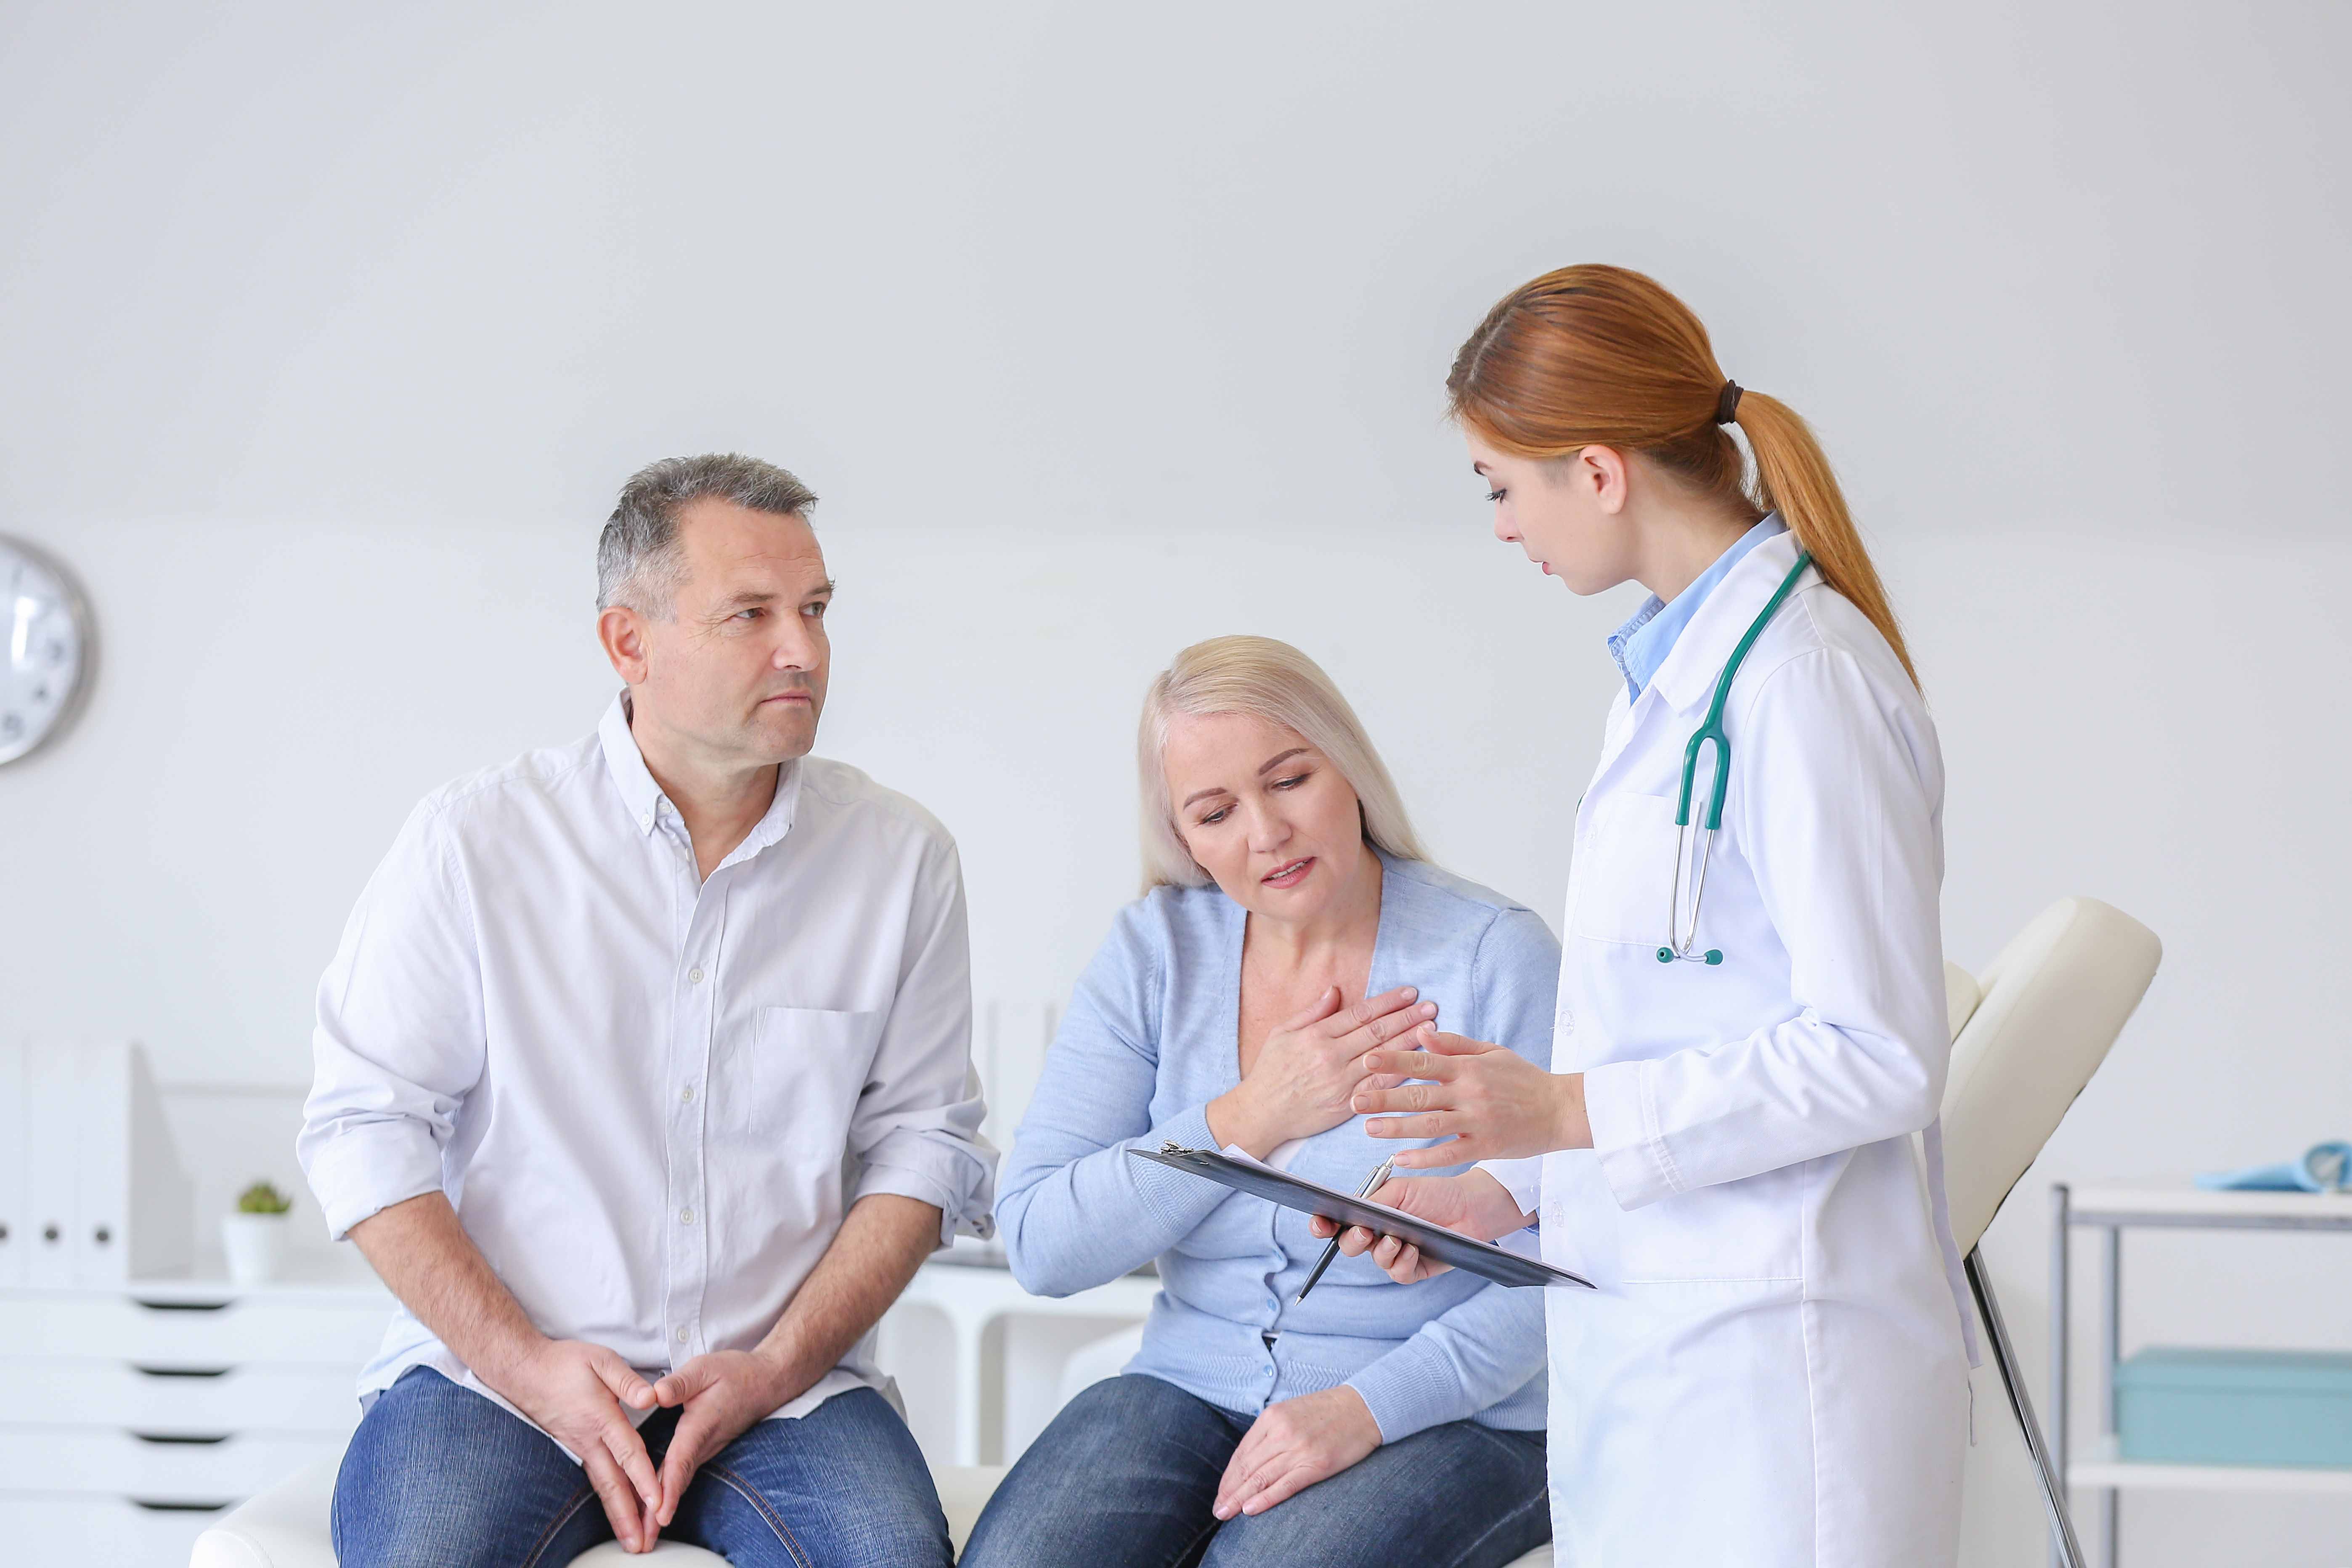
<point>1726,405</point>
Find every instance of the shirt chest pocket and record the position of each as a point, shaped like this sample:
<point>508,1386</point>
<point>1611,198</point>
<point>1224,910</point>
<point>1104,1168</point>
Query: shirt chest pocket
<point>798,1074</point>
<point>1625,871</point>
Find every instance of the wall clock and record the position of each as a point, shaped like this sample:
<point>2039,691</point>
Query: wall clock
<point>47,649</point>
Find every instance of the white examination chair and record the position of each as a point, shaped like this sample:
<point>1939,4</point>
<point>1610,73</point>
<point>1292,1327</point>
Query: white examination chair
<point>2051,1004</point>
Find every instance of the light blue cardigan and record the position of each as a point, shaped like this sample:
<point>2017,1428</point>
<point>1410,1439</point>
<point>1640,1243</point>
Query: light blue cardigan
<point>1149,1040</point>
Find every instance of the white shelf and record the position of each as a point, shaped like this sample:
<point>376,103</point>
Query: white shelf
<point>325,1277</point>
<point>2178,1198</point>
<point>2099,1467</point>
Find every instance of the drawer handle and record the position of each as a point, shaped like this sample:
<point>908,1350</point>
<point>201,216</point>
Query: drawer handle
<point>183,1371</point>
<point>200,1439</point>
<point>183,1306</point>
<point>169,1505</point>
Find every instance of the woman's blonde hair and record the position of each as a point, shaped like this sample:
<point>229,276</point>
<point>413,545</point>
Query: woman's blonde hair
<point>1274,681</point>
<point>1600,356</point>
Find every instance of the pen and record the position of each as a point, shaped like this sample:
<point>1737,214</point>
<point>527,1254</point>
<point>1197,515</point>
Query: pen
<point>1371,1184</point>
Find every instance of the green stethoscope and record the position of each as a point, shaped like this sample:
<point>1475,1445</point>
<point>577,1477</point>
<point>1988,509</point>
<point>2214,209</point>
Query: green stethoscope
<point>1712,729</point>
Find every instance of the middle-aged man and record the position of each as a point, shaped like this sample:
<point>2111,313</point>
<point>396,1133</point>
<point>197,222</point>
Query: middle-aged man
<point>644,1080</point>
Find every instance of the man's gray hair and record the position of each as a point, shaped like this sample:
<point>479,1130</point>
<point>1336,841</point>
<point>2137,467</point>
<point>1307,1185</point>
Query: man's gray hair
<point>639,561</point>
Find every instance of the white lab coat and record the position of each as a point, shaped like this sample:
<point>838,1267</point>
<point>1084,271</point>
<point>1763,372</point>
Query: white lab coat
<point>1773,1369</point>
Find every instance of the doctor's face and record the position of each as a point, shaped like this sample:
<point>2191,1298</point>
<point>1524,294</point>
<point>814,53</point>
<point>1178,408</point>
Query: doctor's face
<point>1568,514</point>
<point>1264,813</point>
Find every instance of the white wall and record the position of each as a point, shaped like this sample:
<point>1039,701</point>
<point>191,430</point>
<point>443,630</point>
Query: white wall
<point>325,337</point>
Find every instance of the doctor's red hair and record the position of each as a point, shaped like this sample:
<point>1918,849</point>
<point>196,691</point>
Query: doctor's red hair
<point>1601,356</point>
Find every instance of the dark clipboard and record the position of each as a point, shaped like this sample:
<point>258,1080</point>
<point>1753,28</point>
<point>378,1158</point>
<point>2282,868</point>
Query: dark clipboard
<point>1291,1191</point>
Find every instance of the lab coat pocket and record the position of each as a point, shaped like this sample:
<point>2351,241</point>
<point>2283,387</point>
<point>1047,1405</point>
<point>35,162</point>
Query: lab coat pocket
<point>1748,1229</point>
<point>809,1065</point>
<point>1625,880</point>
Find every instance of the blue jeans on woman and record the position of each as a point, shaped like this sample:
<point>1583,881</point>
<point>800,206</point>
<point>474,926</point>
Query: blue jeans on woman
<point>438,1477</point>
<point>1125,1476</point>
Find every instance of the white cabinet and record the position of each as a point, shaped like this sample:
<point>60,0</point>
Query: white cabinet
<point>132,1414</point>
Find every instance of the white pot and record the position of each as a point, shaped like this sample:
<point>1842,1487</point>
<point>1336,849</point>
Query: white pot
<point>256,1246</point>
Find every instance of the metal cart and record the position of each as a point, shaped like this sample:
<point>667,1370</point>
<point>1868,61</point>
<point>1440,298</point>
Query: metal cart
<point>2110,1209</point>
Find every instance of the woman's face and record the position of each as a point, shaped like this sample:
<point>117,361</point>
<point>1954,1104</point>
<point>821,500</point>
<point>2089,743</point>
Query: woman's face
<point>1568,514</point>
<point>1264,813</point>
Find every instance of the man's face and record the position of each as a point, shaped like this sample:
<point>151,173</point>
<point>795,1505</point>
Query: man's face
<point>736,675</point>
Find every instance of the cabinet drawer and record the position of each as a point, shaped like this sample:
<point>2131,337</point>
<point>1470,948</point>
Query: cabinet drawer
<point>343,1330</point>
<point>253,1397</point>
<point>97,1532</point>
<point>86,1459</point>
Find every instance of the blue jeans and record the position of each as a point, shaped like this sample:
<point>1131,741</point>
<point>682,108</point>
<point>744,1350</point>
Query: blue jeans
<point>1126,1474</point>
<point>438,1477</point>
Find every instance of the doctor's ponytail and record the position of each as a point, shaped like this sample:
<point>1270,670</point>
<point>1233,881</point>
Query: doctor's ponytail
<point>1597,355</point>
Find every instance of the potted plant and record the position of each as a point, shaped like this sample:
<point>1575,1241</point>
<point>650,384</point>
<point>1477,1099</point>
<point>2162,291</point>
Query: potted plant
<point>254,1237</point>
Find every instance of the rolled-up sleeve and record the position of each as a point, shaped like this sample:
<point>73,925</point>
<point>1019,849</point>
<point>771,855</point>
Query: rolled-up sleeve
<point>400,1037</point>
<point>916,1130</point>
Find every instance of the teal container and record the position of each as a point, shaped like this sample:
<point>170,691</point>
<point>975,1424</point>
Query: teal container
<point>2176,1405</point>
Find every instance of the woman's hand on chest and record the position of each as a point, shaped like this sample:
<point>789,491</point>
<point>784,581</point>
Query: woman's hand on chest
<point>1299,1079</point>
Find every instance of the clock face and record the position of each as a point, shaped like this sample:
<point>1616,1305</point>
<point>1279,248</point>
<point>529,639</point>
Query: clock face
<point>45,650</point>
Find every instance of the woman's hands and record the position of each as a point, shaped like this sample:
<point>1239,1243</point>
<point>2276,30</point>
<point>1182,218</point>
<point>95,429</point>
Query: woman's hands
<point>1488,1103</point>
<point>1292,1446</point>
<point>1309,1068</point>
<point>1473,1203</point>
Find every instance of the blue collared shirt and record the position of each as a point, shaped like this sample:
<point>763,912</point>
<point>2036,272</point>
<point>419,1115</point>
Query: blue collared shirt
<point>1642,644</point>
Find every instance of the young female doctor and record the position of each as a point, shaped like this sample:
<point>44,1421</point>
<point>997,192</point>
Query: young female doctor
<point>1774,1367</point>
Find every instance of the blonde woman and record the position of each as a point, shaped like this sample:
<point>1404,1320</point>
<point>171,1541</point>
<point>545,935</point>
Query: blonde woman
<point>1290,923</point>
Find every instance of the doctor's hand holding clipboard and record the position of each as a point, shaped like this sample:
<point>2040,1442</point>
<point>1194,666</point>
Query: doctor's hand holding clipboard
<point>1493,1104</point>
<point>1750,1023</point>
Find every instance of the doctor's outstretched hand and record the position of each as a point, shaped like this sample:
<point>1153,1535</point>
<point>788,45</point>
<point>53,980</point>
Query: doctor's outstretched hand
<point>1488,1102</point>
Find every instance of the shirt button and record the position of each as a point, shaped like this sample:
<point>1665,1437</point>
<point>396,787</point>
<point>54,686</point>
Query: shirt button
<point>681,1336</point>
<point>686,1216</point>
<point>645,819</point>
<point>685,1095</point>
<point>694,975</point>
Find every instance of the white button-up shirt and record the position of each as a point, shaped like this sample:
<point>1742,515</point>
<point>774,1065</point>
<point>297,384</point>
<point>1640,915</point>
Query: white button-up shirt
<point>650,1097</point>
